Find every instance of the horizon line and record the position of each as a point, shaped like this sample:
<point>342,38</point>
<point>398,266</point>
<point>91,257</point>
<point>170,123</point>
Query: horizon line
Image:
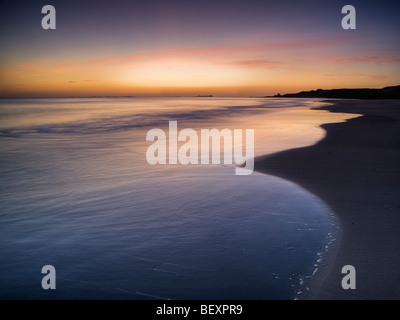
<point>179,96</point>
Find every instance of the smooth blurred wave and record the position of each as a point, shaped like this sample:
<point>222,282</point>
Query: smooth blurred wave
<point>82,116</point>
<point>77,193</point>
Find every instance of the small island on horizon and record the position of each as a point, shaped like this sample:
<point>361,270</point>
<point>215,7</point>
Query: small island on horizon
<point>392,92</point>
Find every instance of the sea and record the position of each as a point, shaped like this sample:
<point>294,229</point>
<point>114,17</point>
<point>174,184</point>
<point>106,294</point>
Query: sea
<point>78,194</point>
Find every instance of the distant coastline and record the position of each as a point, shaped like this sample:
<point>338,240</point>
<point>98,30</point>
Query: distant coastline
<point>392,92</point>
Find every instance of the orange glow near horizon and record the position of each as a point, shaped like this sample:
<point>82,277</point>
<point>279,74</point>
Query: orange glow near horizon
<point>162,74</point>
<point>190,76</point>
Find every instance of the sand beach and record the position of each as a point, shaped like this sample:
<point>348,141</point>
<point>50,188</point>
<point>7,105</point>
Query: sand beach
<point>355,170</point>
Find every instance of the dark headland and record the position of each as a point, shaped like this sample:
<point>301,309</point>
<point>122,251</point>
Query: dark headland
<point>384,93</point>
<point>355,170</point>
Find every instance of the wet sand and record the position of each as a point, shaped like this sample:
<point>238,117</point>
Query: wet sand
<point>355,170</point>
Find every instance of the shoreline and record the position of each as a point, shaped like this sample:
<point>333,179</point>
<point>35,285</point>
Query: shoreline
<point>354,169</point>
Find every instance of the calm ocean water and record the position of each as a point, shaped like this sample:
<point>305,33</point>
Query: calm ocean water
<point>77,193</point>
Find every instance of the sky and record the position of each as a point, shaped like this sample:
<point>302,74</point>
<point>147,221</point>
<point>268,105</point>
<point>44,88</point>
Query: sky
<point>219,47</point>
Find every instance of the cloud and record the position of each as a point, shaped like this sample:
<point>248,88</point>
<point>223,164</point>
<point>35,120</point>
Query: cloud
<point>288,46</point>
<point>263,64</point>
<point>377,77</point>
<point>13,85</point>
<point>365,59</point>
<point>282,52</point>
<point>79,81</point>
